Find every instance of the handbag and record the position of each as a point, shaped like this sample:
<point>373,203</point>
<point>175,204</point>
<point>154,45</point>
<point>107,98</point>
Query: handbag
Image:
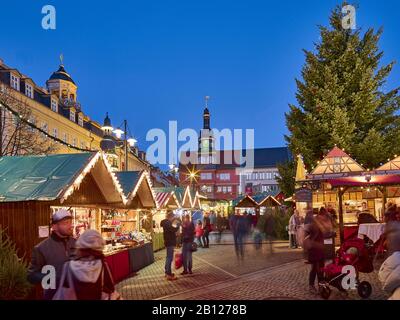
<point>178,260</point>
<point>62,292</point>
<point>193,247</point>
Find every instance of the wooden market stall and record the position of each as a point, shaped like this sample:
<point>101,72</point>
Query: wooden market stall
<point>339,182</point>
<point>33,187</point>
<point>167,199</point>
<point>268,203</point>
<point>131,224</point>
<point>245,204</point>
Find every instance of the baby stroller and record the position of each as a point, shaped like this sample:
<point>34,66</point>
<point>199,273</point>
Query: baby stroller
<point>353,252</point>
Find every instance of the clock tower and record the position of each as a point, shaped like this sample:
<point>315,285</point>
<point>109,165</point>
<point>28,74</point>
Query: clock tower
<point>206,149</point>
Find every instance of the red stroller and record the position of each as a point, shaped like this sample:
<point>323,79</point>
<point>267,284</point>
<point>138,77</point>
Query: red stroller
<point>353,252</point>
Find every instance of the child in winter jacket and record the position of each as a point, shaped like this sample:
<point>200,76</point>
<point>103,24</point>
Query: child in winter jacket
<point>199,232</point>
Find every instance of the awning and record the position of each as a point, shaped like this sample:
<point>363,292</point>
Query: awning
<point>55,177</point>
<point>375,180</point>
<point>137,185</point>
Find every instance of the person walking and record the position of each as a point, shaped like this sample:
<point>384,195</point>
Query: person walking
<point>188,233</point>
<point>389,273</point>
<point>220,227</point>
<point>294,224</point>
<point>88,275</point>
<point>241,229</point>
<point>206,230</point>
<point>270,231</point>
<point>54,251</point>
<point>169,232</point>
<point>314,246</point>
<point>199,232</point>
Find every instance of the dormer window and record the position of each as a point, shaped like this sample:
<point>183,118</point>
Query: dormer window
<point>80,120</point>
<point>54,105</point>
<point>14,82</point>
<point>72,115</point>
<point>28,90</point>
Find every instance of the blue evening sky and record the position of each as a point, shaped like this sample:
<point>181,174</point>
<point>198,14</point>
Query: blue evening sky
<point>154,61</point>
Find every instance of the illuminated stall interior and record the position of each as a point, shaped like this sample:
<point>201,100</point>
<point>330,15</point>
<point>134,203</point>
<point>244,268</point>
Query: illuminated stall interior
<point>338,181</point>
<point>34,187</point>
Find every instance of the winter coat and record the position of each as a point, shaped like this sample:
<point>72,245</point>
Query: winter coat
<point>207,225</point>
<point>314,242</point>
<point>188,232</point>
<point>269,225</point>
<point>389,275</point>
<point>90,278</point>
<point>54,251</point>
<point>169,233</point>
<point>232,222</point>
<point>199,230</point>
<point>242,225</point>
<point>294,223</point>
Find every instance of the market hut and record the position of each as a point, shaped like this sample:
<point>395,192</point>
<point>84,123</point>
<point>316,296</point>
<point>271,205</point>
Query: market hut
<point>129,226</point>
<point>184,197</point>
<point>245,204</point>
<point>337,164</point>
<point>195,197</point>
<point>167,199</point>
<point>32,188</point>
<point>268,202</point>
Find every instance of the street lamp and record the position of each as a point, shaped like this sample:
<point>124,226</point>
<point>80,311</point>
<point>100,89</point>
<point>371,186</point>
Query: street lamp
<point>118,133</point>
<point>132,142</point>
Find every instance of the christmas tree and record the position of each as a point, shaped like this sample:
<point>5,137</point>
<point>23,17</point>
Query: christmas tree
<point>342,99</point>
<point>13,271</point>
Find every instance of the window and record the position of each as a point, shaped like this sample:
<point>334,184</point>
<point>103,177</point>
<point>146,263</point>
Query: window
<point>54,105</point>
<point>265,188</point>
<point>74,142</point>
<point>80,120</point>
<point>208,189</point>
<point>45,127</point>
<point>55,133</point>
<point>14,82</point>
<point>83,145</point>
<point>225,189</point>
<point>225,176</point>
<point>29,90</point>
<point>33,121</point>
<point>72,115</point>
<point>206,176</point>
<point>65,137</point>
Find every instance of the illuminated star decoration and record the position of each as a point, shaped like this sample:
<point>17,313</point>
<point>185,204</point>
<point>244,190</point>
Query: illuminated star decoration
<point>192,174</point>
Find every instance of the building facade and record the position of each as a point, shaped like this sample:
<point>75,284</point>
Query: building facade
<point>57,112</point>
<point>222,175</point>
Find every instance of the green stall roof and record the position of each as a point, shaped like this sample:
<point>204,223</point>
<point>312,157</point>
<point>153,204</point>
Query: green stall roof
<point>128,180</point>
<point>24,178</point>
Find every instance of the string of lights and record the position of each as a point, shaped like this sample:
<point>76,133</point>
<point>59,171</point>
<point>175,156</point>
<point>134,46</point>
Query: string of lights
<point>44,132</point>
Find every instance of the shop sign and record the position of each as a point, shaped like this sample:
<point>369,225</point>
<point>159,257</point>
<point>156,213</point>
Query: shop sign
<point>303,195</point>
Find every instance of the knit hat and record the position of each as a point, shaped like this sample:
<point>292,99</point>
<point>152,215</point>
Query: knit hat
<point>90,239</point>
<point>60,215</point>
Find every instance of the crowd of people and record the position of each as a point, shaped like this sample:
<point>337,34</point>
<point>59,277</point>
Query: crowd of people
<point>81,272</point>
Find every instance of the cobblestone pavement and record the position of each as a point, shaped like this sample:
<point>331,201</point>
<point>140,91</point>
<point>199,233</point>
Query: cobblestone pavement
<point>218,274</point>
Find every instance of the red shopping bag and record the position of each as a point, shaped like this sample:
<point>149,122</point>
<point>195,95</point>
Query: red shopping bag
<point>178,260</point>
